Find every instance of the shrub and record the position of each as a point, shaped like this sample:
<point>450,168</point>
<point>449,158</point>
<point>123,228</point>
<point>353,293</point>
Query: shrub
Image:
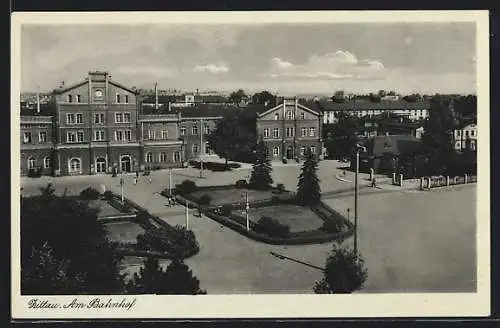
<point>226,209</point>
<point>204,200</point>
<point>90,194</point>
<point>126,207</point>
<point>284,160</point>
<point>108,195</point>
<point>234,165</point>
<point>240,184</point>
<point>35,173</point>
<point>186,187</point>
<point>280,187</point>
<point>177,242</point>
<point>271,227</point>
<point>332,225</point>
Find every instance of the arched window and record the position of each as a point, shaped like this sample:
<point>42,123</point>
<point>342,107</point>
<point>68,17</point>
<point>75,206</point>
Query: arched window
<point>46,162</point>
<point>302,116</point>
<point>75,165</point>
<point>195,149</point>
<point>177,156</point>
<point>276,116</point>
<point>149,157</point>
<point>276,151</point>
<point>31,163</point>
<point>163,157</point>
<point>289,115</point>
<point>70,98</point>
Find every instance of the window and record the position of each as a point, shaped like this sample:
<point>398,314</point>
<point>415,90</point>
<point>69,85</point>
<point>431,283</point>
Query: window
<point>79,136</point>
<point>473,145</point>
<point>98,135</point>
<point>151,134</point>
<point>303,132</point>
<point>126,99</point>
<point>472,133</point>
<point>290,132</point>
<point>266,133</point>
<point>119,135</point>
<point>70,98</point>
<point>207,148</point>
<point>276,151</point>
<point>289,115</point>
<point>118,98</point>
<point>122,117</point>
<point>71,136</point>
<point>206,129</point>
<point>313,149</point>
<point>183,130</point>
<point>70,119</point>
<point>99,118</point>
<point>177,156</point>
<point>149,157</point>
<point>194,129</point>
<point>128,135</point>
<point>164,134</point>
<point>276,116</point>
<point>46,162</point>
<point>163,157</point>
<point>75,165</point>
<point>312,132</point>
<point>31,163</point>
<point>27,137</point>
<point>457,134</point>
<point>276,132</point>
<point>78,98</point>
<point>302,151</point>
<point>79,118</point>
<point>302,116</point>
<point>195,148</point>
<point>42,136</point>
<point>466,134</point>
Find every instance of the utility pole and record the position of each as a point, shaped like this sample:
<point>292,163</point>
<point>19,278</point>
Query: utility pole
<point>170,182</point>
<point>187,215</point>
<point>359,148</point>
<point>247,207</point>
<point>202,149</point>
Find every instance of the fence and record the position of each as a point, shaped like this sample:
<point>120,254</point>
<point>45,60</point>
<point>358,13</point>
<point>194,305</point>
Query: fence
<point>446,181</point>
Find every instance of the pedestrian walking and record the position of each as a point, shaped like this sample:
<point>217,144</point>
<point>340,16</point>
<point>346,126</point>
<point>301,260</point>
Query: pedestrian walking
<point>149,179</point>
<point>135,180</point>
<point>374,183</point>
<point>343,172</point>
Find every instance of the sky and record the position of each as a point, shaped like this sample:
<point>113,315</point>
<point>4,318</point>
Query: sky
<point>282,58</point>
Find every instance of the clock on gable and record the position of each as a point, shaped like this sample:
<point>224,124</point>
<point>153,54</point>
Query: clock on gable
<point>98,93</point>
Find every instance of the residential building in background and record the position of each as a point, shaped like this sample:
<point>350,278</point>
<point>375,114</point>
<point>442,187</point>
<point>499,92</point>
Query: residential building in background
<point>465,137</point>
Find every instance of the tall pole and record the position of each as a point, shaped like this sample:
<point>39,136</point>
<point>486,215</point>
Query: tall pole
<point>170,182</point>
<point>356,205</point>
<point>187,215</point>
<point>38,100</point>
<point>202,148</point>
<point>247,207</point>
<point>121,183</point>
<point>156,96</point>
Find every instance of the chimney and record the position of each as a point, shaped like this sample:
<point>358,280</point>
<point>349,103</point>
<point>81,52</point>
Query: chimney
<point>38,100</point>
<point>156,96</point>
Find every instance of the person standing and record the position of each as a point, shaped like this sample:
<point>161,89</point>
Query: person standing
<point>135,180</point>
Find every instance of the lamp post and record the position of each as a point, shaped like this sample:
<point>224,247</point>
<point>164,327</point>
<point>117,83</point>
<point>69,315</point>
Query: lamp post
<point>201,168</point>
<point>358,150</point>
<point>247,207</point>
<point>170,182</point>
<point>187,215</point>
<point>121,184</point>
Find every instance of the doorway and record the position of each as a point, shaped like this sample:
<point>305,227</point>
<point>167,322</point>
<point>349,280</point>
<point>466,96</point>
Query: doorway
<point>125,163</point>
<point>289,152</point>
<point>100,165</point>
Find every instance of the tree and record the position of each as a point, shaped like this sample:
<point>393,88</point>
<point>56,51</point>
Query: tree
<point>381,93</point>
<point>177,279</point>
<point>308,188</point>
<point>263,98</point>
<point>437,140</point>
<point>343,273</point>
<point>339,96</point>
<point>234,137</point>
<point>342,136</point>
<point>63,235</point>
<point>260,177</point>
<point>237,96</point>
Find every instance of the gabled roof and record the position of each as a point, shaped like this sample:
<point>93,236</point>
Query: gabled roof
<point>368,105</point>
<point>269,109</point>
<point>122,86</point>
<point>77,84</point>
<point>393,144</point>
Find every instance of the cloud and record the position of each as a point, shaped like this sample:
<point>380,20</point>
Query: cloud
<point>212,68</point>
<point>281,64</point>
<point>331,66</point>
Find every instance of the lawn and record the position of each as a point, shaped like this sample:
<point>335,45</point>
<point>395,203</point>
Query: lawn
<point>105,209</point>
<point>231,196</point>
<point>123,231</point>
<point>298,218</point>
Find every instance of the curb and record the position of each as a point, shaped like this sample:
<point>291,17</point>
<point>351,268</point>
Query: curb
<point>342,179</point>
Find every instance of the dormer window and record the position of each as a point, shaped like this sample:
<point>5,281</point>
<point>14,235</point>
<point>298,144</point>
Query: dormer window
<point>276,116</point>
<point>70,98</point>
<point>78,98</point>
<point>126,99</point>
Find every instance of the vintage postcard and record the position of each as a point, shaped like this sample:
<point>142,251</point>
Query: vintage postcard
<point>250,164</point>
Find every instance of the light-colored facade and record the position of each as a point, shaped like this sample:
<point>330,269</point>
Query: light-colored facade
<point>466,137</point>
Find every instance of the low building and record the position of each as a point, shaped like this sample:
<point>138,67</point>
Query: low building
<point>388,154</point>
<point>361,108</point>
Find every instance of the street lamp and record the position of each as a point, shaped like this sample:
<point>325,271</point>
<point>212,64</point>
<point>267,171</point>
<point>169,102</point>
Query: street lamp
<point>170,182</point>
<point>358,150</point>
<point>121,183</point>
